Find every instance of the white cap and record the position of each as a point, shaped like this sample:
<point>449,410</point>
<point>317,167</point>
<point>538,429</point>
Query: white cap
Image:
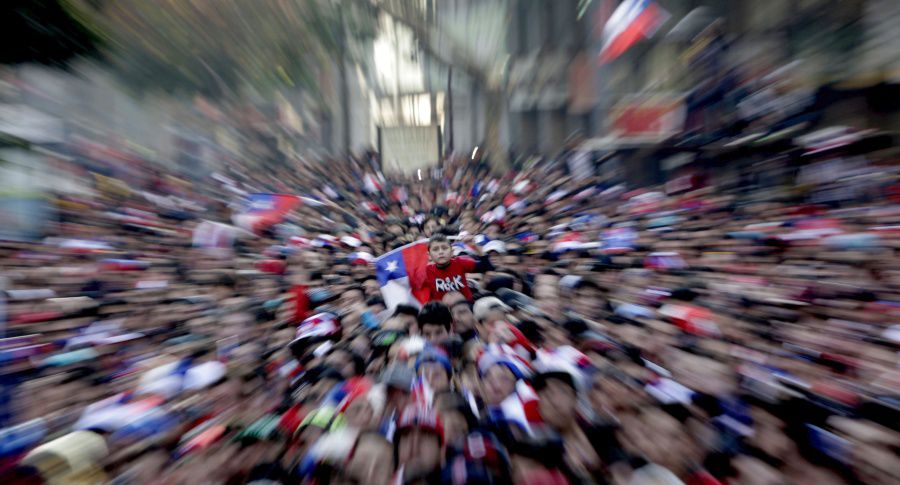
<point>485,305</point>
<point>351,241</point>
<point>495,245</point>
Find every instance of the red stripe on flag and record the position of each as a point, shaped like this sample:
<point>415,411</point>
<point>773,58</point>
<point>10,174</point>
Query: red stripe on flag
<point>415,257</point>
<point>647,21</point>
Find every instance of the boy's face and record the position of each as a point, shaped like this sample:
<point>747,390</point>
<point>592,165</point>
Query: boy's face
<point>434,333</point>
<point>440,252</point>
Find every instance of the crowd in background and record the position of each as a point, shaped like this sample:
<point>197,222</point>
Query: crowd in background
<point>616,337</point>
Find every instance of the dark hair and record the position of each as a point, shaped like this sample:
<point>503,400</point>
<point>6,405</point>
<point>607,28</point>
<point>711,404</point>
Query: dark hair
<point>500,281</point>
<point>406,310</point>
<point>435,313</point>
<point>375,300</point>
<point>531,331</point>
<point>227,280</point>
<point>575,326</point>
<point>355,287</point>
<point>438,237</point>
<point>585,283</point>
<point>462,302</point>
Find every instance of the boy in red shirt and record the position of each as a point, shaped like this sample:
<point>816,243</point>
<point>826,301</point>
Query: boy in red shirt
<point>446,274</point>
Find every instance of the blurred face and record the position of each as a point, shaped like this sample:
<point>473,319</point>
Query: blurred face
<point>452,298</point>
<point>405,322</point>
<point>361,345</point>
<point>610,394</point>
<point>360,270</point>
<point>498,383</point>
<point>359,413</point>
<point>371,288</point>
<point>455,426</point>
<point>419,451</point>
<point>436,376</point>
<point>354,297</point>
<point>510,261</point>
<point>396,398</point>
<point>557,404</point>
<point>434,333</point>
<point>496,314</point>
<point>654,434</point>
<point>371,462</point>
<point>589,302</point>
<point>430,227</point>
<point>440,252</point>
<point>463,318</point>
<point>342,362</point>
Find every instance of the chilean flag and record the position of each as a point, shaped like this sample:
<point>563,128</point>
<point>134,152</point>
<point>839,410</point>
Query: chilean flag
<point>264,210</point>
<point>401,274</point>
<point>631,21</point>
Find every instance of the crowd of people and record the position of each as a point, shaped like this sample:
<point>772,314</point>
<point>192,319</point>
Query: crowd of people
<point>569,332</point>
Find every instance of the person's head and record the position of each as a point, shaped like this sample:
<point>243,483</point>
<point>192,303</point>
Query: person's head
<point>498,382</point>
<point>439,250</point>
<point>609,390</point>
<point>345,362</point>
<point>453,297</point>
<point>371,287</point>
<point>435,368</point>
<point>558,399</point>
<point>353,295</point>
<point>590,299</point>
<point>376,304</point>
<point>455,415</point>
<point>490,309</point>
<point>370,461</point>
<point>398,380</point>
<point>654,433</point>
<point>360,270</point>
<point>418,444</point>
<point>361,344</point>
<point>404,319</point>
<point>463,318</point>
<point>396,229</point>
<point>435,321</point>
<point>430,227</point>
<point>511,260</point>
<point>363,411</point>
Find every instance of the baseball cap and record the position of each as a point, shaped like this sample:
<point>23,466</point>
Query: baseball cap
<point>487,304</point>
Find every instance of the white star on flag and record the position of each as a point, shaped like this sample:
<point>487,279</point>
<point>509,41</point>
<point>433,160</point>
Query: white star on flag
<point>391,266</point>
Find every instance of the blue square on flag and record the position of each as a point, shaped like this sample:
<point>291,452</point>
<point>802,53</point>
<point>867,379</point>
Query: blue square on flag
<point>401,274</point>
<point>390,267</point>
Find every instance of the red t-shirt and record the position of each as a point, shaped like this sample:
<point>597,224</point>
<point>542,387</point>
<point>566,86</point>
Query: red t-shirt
<point>441,281</point>
<point>301,303</point>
